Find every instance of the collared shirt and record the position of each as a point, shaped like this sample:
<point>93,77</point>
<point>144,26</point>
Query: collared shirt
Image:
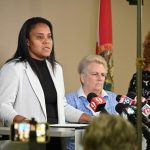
<point>78,100</point>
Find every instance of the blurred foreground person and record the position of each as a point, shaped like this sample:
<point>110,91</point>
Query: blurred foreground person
<point>110,132</point>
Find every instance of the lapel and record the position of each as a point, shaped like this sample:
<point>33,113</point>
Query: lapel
<point>35,83</point>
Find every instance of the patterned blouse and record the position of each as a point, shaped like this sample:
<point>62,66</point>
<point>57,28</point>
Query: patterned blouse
<point>145,84</point>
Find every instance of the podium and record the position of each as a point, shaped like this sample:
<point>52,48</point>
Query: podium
<point>63,131</point>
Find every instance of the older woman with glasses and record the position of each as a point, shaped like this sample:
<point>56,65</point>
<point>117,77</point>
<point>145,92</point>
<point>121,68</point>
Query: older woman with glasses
<point>92,70</point>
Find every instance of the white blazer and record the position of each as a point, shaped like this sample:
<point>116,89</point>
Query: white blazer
<point>21,94</point>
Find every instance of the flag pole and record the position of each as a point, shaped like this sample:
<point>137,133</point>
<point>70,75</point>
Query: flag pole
<point>104,40</point>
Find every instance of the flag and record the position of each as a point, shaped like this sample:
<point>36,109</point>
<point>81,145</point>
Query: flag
<point>104,39</point>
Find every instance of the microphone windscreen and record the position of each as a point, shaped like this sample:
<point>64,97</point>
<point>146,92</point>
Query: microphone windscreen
<point>148,102</point>
<point>118,98</point>
<point>90,96</point>
<point>131,95</point>
<point>119,107</point>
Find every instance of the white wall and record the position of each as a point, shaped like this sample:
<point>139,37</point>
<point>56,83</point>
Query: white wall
<point>75,26</point>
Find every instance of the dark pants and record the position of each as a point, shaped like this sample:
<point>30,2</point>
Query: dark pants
<point>56,143</point>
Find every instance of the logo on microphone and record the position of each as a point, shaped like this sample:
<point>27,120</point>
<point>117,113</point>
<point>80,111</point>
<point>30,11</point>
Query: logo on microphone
<point>97,102</point>
<point>127,100</point>
<point>146,110</point>
<point>93,106</point>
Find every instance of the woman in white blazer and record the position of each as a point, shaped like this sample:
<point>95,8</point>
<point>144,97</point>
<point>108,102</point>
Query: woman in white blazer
<point>31,82</point>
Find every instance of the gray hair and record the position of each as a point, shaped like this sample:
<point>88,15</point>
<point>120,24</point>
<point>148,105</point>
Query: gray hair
<point>90,59</point>
<point>107,132</point>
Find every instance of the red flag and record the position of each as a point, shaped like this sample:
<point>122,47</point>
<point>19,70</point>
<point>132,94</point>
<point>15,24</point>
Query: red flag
<point>104,38</point>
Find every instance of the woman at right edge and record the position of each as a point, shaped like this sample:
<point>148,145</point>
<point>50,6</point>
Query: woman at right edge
<point>145,72</point>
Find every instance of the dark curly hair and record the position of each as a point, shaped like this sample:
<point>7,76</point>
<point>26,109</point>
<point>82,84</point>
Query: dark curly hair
<point>146,49</point>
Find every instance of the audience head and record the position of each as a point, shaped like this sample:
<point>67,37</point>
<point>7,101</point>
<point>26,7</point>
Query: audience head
<point>109,132</point>
<point>92,70</point>
<point>146,50</point>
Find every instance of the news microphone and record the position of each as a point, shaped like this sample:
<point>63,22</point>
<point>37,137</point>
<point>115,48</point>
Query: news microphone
<point>125,100</point>
<point>126,112</point>
<point>145,114</point>
<point>129,112</point>
<point>123,108</point>
<point>143,100</point>
<point>97,103</point>
<point>131,116</point>
<point>130,99</point>
<point>145,104</point>
<point>133,96</point>
<point>146,111</point>
<point>146,134</point>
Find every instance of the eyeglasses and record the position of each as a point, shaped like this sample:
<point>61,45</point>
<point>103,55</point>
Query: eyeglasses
<point>96,74</point>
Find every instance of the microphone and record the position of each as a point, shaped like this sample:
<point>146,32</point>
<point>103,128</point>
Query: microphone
<point>126,112</point>
<point>129,112</point>
<point>97,103</point>
<point>125,100</point>
<point>143,100</point>
<point>133,96</point>
<point>130,99</point>
<point>145,116</point>
<point>120,107</point>
<point>145,107</point>
<point>146,111</point>
<point>131,116</point>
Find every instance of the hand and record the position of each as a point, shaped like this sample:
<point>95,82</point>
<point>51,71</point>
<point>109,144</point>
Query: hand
<point>19,119</point>
<point>85,118</point>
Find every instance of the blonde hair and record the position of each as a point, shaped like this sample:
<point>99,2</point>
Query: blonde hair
<point>82,68</point>
<point>109,132</point>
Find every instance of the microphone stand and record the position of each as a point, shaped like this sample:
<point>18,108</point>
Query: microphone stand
<point>146,135</point>
<point>144,128</point>
<point>139,64</point>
